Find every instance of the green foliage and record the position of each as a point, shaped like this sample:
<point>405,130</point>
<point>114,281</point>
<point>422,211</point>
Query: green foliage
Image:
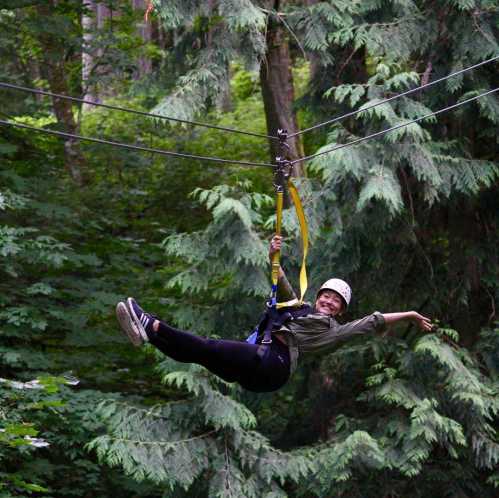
<point>381,184</point>
<point>228,258</point>
<point>337,462</point>
<point>408,219</point>
<point>57,244</point>
<point>174,443</point>
<point>234,29</point>
<point>417,403</point>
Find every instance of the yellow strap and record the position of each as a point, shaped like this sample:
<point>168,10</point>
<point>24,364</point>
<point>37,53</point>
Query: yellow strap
<point>288,304</point>
<point>304,236</point>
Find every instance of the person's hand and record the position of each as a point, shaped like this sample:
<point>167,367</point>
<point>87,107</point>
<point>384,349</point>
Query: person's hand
<point>275,245</point>
<point>423,322</point>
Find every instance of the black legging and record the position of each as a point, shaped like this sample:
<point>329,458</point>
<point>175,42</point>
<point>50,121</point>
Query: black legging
<point>256,370</point>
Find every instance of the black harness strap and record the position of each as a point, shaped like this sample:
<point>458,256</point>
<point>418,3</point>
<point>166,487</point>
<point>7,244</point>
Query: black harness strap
<point>273,319</point>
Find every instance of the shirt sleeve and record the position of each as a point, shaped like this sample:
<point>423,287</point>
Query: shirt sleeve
<point>367,325</point>
<point>285,291</point>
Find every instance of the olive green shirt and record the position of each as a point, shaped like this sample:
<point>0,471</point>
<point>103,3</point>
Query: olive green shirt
<point>318,333</point>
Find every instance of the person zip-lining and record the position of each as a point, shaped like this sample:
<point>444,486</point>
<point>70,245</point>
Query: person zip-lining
<point>264,367</point>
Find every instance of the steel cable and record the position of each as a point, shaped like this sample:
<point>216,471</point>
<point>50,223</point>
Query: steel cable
<point>403,94</point>
<point>131,111</point>
<point>134,147</point>
<point>396,127</point>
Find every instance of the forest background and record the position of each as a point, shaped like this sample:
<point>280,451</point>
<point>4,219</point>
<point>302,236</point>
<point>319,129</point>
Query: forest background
<point>409,219</point>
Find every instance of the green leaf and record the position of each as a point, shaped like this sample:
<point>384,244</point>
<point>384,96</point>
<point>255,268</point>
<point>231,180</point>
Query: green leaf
<point>381,184</point>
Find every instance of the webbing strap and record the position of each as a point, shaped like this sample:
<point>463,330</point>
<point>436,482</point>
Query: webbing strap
<point>304,237</point>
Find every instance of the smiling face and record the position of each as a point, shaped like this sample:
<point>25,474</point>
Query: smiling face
<point>329,302</point>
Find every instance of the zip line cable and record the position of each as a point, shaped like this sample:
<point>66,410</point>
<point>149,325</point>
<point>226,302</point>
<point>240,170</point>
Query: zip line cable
<point>236,162</point>
<point>233,130</point>
<point>131,111</point>
<point>134,147</point>
<point>403,94</point>
<point>396,127</point>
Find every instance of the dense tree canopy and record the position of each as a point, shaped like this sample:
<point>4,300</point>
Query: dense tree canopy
<point>410,219</point>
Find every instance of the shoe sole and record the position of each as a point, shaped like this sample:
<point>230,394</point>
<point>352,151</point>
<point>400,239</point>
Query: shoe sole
<point>127,325</point>
<point>140,328</point>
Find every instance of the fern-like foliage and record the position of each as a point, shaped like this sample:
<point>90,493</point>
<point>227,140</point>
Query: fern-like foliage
<point>429,405</point>
<point>228,257</point>
<point>413,416</point>
<point>381,184</point>
<point>235,29</point>
<point>338,461</point>
<point>205,436</point>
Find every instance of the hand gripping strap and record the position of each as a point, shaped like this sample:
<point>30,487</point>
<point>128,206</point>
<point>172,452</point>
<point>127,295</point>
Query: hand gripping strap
<point>276,257</point>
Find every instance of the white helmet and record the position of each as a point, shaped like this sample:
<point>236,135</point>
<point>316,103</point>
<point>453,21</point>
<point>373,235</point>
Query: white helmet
<point>339,286</point>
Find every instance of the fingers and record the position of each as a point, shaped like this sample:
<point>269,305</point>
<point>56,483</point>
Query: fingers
<point>425,324</point>
<point>275,245</point>
<point>421,317</point>
<point>276,242</point>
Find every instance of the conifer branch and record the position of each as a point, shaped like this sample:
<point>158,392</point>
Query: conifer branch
<point>151,412</point>
<point>164,443</point>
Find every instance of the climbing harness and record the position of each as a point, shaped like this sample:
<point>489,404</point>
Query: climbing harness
<point>273,320</point>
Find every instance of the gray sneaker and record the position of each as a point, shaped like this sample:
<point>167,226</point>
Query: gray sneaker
<point>141,319</point>
<point>128,326</point>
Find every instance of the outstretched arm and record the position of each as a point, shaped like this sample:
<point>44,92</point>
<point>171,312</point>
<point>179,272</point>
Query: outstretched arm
<point>423,322</point>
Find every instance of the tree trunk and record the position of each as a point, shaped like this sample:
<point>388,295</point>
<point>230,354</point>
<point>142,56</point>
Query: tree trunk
<point>144,29</point>
<point>276,80</point>
<point>54,56</point>
<point>103,13</point>
<point>88,26</point>
<point>92,65</point>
